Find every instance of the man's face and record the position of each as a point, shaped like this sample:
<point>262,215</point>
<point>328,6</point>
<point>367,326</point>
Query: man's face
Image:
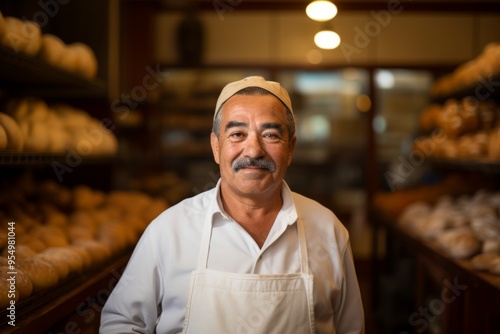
<point>253,149</point>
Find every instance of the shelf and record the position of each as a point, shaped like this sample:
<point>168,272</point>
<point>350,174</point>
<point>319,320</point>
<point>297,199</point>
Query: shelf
<point>487,89</point>
<point>487,166</point>
<point>41,311</point>
<point>24,75</point>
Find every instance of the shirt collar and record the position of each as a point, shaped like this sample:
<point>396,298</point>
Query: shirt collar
<point>288,213</point>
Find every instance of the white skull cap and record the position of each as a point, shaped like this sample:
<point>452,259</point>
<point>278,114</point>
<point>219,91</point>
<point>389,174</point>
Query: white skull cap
<point>254,81</point>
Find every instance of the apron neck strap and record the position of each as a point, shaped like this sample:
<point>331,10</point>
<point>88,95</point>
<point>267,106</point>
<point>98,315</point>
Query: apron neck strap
<point>207,236</point>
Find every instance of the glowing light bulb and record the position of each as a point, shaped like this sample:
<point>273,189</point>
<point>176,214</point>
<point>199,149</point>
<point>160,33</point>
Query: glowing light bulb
<point>321,10</point>
<point>327,39</point>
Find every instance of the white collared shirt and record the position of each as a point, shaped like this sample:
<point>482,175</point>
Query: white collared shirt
<point>152,293</point>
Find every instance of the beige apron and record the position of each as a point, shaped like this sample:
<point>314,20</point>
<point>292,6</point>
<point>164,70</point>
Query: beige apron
<point>230,303</point>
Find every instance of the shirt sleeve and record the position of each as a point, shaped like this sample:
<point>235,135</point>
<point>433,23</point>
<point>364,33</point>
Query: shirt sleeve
<point>349,314</point>
<point>133,305</point>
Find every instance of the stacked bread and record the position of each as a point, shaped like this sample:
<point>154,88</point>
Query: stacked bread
<point>473,72</point>
<point>465,227</point>
<point>30,125</point>
<point>461,129</point>
<point>26,37</point>
<point>61,232</point>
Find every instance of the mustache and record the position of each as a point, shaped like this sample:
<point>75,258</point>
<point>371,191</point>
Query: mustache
<point>251,162</point>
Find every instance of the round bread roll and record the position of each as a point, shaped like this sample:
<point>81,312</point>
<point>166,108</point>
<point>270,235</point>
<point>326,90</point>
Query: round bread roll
<point>108,145</point>
<point>460,243</point>
<point>83,218</point>
<point>428,119</point>
<point>51,49</point>
<point>492,57</point>
<point>450,119</point>
<point>36,137</point>
<point>59,195</point>
<point>58,140</point>
<point>56,259</point>
<point>22,252</point>
<point>54,217</point>
<point>42,274</point>
<point>494,266</point>
<point>31,241</point>
<point>22,36</point>
<point>78,232</point>
<point>52,236</point>
<point>12,37</point>
<point>23,285</point>
<point>491,246</point>
<point>15,140</point>
<point>3,138</point>
<point>17,108</point>
<point>449,149</point>
<point>83,254</point>
<point>87,62</point>
<point>69,59</point>
<point>118,236</point>
<point>85,197</point>
<point>470,114</point>
<point>487,114</point>
<point>98,251</point>
<point>65,259</point>
<point>33,34</point>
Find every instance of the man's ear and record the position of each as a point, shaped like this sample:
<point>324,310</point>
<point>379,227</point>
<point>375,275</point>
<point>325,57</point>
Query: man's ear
<point>214,142</point>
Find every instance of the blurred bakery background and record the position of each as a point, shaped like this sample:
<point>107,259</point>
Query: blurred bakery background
<point>106,110</point>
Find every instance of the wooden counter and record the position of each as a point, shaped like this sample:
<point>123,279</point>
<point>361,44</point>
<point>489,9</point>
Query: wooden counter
<point>448,291</point>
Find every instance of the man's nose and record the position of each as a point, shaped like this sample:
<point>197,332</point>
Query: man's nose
<point>253,147</point>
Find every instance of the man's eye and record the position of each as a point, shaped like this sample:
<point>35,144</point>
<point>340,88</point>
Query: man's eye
<point>236,134</point>
<point>271,135</point>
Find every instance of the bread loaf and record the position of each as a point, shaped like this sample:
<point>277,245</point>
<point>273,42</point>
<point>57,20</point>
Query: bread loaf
<point>51,49</point>
<point>22,36</point>
<point>23,286</point>
<point>15,140</point>
<point>42,274</point>
<point>86,64</point>
<point>460,243</point>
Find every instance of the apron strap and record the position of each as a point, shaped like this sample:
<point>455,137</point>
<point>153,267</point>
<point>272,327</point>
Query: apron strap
<point>205,242</point>
<point>207,236</point>
<point>304,262</point>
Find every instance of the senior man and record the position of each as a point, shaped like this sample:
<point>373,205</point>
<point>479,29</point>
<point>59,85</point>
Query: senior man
<point>250,255</point>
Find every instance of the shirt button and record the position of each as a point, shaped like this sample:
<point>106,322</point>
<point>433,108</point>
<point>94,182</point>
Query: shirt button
<point>260,258</point>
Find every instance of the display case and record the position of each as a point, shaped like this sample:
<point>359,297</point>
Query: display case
<point>72,302</point>
<point>432,228</point>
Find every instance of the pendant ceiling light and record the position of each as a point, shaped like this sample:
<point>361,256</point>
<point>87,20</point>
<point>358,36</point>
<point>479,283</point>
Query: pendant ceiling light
<point>321,10</point>
<point>327,39</point>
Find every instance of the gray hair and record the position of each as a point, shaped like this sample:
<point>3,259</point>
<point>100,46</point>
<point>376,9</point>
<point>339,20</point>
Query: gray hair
<point>290,120</point>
